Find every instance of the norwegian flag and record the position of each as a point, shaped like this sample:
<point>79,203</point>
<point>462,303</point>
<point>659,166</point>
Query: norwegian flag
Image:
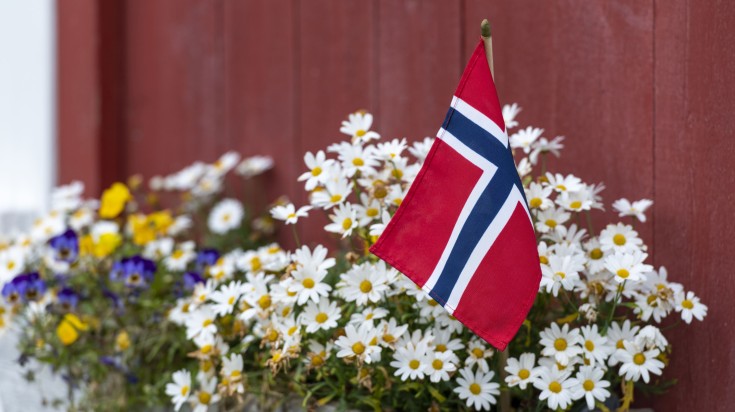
<point>463,233</point>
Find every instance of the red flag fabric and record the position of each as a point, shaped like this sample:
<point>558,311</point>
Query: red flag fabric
<point>463,232</point>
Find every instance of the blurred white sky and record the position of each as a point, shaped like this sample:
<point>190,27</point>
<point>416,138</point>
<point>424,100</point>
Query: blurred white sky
<point>27,121</point>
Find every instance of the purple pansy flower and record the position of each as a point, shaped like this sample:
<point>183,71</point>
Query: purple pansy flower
<point>24,287</point>
<point>65,246</point>
<point>67,298</point>
<point>206,258</point>
<point>135,271</point>
<point>191,279</point>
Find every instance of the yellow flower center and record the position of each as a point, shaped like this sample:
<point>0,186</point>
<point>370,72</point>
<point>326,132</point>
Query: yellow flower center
<point>366,286</point>
<point>475,389</point>
<point>388,338</point>
<point>226,217</point>
<point>589,345</point>
<point>206,349</point>
<point>205,397</point>
<point>535,202</point>
<point>321,317</point>
<point>255,264</point>
<point>360,133</point>
<point>560,344</point>
<point>619,239</point>
<point>441,347</point>
<point>358,162</point>
<point>292,330</point>
<point>317,360</point>
<point>291,216</point>
<point>575,205</point>
<point>264,302</point>
<point>588,385</point>
<point>358,348</point>
<point>619,344</point>
<point>371,212</point>
<point>231,300</point>
<point>308,283</point>
<point>10,265</point>
<point>397,173</point>
<point>561,274</point>
<point>596,254</point>
<point>178,254</point>
<point>206,323</point>
<point>374,341</point>
<point>316,171</point>
<point>335,198</point>
<point>550,223</point>
<point>184,390</point>
<point>437,364</point>
<point>347,224</point>
<point>272,335</point>
<point>478,353</point>
<point>639,359</point>
<point>524,374</point>
<point>235,374</point>
<point>555,387</point>
<point>623,273</point>
<point>414,364</point>
<point>561,187</point>
<point>687,304</point>
<point>432,302</point>
<point>544,260</point>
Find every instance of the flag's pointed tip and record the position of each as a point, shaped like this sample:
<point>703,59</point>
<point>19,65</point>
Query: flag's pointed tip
<point>485,28</point>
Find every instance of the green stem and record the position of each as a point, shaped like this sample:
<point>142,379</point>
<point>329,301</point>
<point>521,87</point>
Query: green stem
<point>296,236</point>
<point>615,306</point>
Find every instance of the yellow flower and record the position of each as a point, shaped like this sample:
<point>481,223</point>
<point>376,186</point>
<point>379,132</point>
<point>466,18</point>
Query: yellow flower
<point>114,200</point>
<point>147,228</point>
<point>122,341</point>
<point>68,329</point>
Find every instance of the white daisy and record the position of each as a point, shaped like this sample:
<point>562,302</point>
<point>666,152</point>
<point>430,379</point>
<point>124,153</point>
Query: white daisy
<point>550,218</point>
<point>334,193</point>
<point>637,208</point>
<point>561,343</point>
<point>521,371</point>
<point>590,385</point>
<point>620,238</point>
<point>318,166</point>
<point>439,365</point>
<point>225,216</point>
<point>538,196</point>
<point>617,335</point>
<point>232,371</point>
<point>309,284</point>
<point>651,337</point>
<point>561,272</point>
<point>524,138</point>
<point>205,396</point>
<point>543,146</point>
<point>391,150</point>
<point>637,363</point>
<point>595,348</point>
<point>555,387</point>
<point>368,315</point>
<point>628,266</point>
<point>561,183</point>
<point>358,125</point>
<point>323,315</point>
<point>356,343</point>
<point>255,165</point>
<point>180,258</point>
<point>289,214</point>
<point>362,284</point>
<point>389,332</point>
<point>690,306</point>
<point>180,389</point>
<point>478,354</point>
<point>201,321</point>
<point>477,389</point>
<point>510,111</point>
<point>420,149</point>
<point>410,361</point>
<point>226,297</point>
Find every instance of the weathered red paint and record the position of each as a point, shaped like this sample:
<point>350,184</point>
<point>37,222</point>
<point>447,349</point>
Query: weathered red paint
<point>642,90</point>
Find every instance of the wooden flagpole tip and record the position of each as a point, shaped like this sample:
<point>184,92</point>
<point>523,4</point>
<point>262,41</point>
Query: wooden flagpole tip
<point>485,28</point>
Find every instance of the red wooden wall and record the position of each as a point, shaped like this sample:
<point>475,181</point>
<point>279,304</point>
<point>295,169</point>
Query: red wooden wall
<point>643,90</point>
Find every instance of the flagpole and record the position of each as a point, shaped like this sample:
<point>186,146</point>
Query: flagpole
<point>502,356</point>
<point>487,39</point>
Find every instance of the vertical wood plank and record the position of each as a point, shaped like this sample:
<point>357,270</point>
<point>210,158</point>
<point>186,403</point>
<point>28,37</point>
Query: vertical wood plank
<point>418,65</point>
<point>337,69</point>
<point>174,68</point>
<point>78,117</point>
<point>694,154</point>
<point>260,85</point>
<point>582,70</point>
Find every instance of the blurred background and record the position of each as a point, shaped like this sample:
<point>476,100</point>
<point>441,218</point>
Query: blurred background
<point>643,90</point>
